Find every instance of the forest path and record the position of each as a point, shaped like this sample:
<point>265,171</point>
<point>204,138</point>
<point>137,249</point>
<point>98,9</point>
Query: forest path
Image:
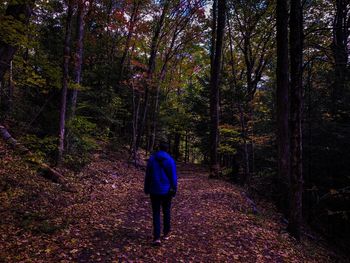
<point>211,221</point>
<point>108,219</point>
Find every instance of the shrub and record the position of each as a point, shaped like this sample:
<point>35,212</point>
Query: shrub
<point>81,134</point>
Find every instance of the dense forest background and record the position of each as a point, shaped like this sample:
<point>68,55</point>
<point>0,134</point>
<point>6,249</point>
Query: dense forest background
<point>203,75</point>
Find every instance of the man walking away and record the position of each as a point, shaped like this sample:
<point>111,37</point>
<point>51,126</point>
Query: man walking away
<point>161,184</point>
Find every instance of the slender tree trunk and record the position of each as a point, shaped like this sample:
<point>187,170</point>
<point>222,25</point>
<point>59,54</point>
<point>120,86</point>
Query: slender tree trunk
<point>309,114</point>
<point>282,101</point>
<point>214,89</point>
<point>155,119</point>
<point>186,147</point>
<point>78,60</point>
<point>135,112</point>
<point>246,170</point>
<point>151,68</point>
<point>233,70</point>
<point>4,101</point>
<point>133,19</point>
<point>65,68</point>
<point>156,107</point>
<point>213,33</point>
<point>11,88</point>
<point>2,97</point>
<point>177,140</point>
<point>169,143</point>
<point>252,145</point>
<point>340,53</point>
<point>296,99</point>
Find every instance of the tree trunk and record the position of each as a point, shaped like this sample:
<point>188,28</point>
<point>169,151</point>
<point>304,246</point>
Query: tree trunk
<point>65,68</point>
<point>156,107</point>
<point>233,70</point>
<point>186,147</point>
<point>135,112</point>
<point>296,99</point>
<point>11,87</point>
<point>214,89</point>
<point>177,139</point>
<point>78,60</point>
<point>308,175</point>
<point>340,53</point>
<point>252,146</point>
<point>282,101</point>
<point>246,170</point>
<point>213,33</point>
<point>151,67</point>
<point>2,98</point>
<point>133,19</point>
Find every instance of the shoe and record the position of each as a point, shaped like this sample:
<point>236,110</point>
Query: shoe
<point>166,236</point>
<point>156,242</point>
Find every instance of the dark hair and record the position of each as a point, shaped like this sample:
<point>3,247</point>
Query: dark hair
<point>163,146</point>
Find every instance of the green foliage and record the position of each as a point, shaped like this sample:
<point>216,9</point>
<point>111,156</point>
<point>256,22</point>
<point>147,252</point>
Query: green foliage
<point>76,86</point>
<point>12,31</point>
<point>42,148</point>
<point>81,141</point>
<point>229,140</point>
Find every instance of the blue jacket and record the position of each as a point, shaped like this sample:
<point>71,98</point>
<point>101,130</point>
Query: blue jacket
<point>160,174</point>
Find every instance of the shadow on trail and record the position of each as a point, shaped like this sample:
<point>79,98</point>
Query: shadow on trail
<point>107,246</point>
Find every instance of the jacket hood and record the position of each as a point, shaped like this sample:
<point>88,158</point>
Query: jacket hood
<point>161,156</point>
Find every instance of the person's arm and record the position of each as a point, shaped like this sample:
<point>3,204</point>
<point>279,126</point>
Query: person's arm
<point>174,175</point>
<point>171,174</point>
<point>147,178</point>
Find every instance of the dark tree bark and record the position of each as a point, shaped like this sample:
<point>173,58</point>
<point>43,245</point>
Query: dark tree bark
<point>2,98</point>
<point>135,117</point>
<point>150,71</point>
<point>213,33</point>
<point>176,150</point>
<point>78,59</point>
<point>65,77</point>
<point>156,108</point>
<point>214,89</point>
<point>340,53</point>
<point>282,98</point>
<point>296,100</point>
<point>20,11</point>
<point>186,147</point>
<point>11,88</point>
<point>131,28</point>
<point>246,170</point>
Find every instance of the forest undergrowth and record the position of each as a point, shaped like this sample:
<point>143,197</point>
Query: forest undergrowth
<point>102,215</point>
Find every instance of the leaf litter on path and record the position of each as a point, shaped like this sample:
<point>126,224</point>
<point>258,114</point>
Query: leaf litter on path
<point>108,219</point>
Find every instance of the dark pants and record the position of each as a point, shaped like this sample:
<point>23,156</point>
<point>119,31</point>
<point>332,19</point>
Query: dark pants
<point>158,201</point>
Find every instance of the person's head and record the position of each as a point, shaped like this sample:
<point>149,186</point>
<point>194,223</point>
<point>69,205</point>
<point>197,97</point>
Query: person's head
<point>163,146</point>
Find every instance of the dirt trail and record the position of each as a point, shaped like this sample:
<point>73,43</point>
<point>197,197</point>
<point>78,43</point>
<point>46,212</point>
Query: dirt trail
<point>108,219</point>
<point>212,222</point>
